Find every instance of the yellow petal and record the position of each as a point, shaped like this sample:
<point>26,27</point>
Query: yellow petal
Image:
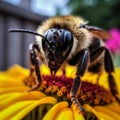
<point>51,114</point>
<point>70,71</point>
<point>87,77</point>
<point>5,84</point>
<point>6,81</point>
<point>16,97</point>
<point>20,109</point>
<point>16,71</point>
<point>99,114</point>
<point>24,112</point>
<point>114,107</point>
<point>4,96</point>
<point>104,116</point>
<point>44,70</point>
<point>117,78</point>
<point>65,114</point>
<point>7,113</point>
<point>107,111</point>
<point>14,89</point>
<point>90,109</point>
<point>77,114</point>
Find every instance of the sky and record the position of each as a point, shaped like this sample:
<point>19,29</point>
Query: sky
<point>46,7</point>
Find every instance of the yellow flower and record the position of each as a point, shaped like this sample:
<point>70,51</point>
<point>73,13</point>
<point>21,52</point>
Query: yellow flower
<point>52,100</point>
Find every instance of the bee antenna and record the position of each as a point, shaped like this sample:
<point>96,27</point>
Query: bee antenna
<point>28,31</point>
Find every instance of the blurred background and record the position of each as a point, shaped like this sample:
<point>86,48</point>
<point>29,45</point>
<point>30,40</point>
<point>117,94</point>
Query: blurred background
<point>28,14</point>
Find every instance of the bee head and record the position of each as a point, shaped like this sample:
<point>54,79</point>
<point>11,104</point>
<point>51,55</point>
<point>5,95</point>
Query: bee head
<point>57,46</point>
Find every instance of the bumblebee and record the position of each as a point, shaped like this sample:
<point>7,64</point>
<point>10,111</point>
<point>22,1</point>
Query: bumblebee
<point>70,40</point>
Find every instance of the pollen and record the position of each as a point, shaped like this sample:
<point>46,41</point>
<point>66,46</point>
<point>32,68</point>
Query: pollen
<point>59,87</point>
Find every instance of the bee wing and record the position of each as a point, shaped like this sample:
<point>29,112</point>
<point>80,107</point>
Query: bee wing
<point>99,32</point>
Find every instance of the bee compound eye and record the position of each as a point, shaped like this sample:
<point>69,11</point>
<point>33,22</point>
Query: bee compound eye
<point>68,39</point>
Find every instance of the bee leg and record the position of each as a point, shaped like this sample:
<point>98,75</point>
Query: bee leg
<point>34,67</point>
<point>110,69</point>
<point>96,68</point>
<point>82,64</point>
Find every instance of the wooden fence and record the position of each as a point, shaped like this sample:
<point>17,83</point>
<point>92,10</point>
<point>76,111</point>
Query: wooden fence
<point>14,47</point>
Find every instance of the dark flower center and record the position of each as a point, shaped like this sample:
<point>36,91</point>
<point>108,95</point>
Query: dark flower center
<point>59,87</point>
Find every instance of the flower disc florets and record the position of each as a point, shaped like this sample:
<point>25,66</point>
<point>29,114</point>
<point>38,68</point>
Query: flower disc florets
<point>59,87</point>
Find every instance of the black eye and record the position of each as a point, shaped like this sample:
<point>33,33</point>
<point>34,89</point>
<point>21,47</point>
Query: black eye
<point>68,39</point>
